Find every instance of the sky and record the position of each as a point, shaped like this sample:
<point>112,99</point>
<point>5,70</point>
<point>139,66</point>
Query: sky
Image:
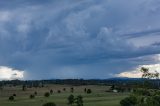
<point>89,39</point>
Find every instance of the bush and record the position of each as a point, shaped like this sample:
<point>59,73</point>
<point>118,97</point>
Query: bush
<point>35,93</point>
<point>59,91</point>
<point>149,101</point>
<point>64,89</point>
<point>157,99</point>
<point>112,87</point>
<point>47,94</point>
<point>89,91</point>
<point>142,92</point>
<point>129,101</point>
<point>24,87</point>
<point>72,90</point>
<point>49,104</point>
<point>153,101</point>
<point>71,99</point>
<point>11,98</point>
<point>51,91</point>
<point>32,96</point>
<point>14,94</point>
<point>85,90</point>
<point>79,100</point>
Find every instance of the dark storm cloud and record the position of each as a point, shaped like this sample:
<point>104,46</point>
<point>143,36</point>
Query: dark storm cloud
<point>83,39</point>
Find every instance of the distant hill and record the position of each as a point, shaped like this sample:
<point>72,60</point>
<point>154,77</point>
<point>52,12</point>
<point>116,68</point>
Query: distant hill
<point>123,78</point>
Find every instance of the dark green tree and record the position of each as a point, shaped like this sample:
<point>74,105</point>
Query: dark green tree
<point>47,94</point>
<point>35,93</point>
<point>89,91</point>
<point>14,94</point>
<point>72,90</point>
<point>71,100</point>
<point>51,91</point>
<point>11,98</point>
<point>24,88</point>
<point>144,96</point>
<point>129,101</point>
<point>85,90</point>
<point>32,96</point>
<point>64,89</point>
<point>59,91</point>
<point>79,100</point>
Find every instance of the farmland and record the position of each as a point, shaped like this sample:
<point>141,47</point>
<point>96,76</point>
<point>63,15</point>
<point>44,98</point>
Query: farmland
<point>98,97</point>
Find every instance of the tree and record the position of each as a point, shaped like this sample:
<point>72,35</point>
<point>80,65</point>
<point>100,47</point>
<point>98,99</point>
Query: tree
<point>51,91</point>
<point>85,90</point>
<point>11,98</point>
<point>64,89</point>
<point>112,87</point>
<point>145,72</point>
<point>14,94</point>
<point>35,93</point>
<point>129,101</point>
<point>89,91</point>
<point>24,87</point>
<point>47,94</point>
<point>31,96</point>
<point>79,100</point>
<point>145,96</point>
<point>149,75</point>
<point>70,99</point>
<point>72,89</point>
<point>49,104</point>
<point>1,86</point>
<point>59,91</point>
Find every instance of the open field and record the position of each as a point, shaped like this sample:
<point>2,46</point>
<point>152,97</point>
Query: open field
<point>98,97</point>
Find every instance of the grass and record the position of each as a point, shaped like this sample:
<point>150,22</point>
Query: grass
<point>98,98</point>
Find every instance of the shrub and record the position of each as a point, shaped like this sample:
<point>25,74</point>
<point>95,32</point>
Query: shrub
<point>150,101</point>
<point>64,89</point>
<point>14,94</point>
<point>112,87</point>
<point>32,96</point>
<point>35,93</point>
<point>59,91</point>
<point>11,98</point>
<point>24,87</point>
<point>85,90</point>
<point>89,91</point>
<point>142,92</point>
<point>51,91</point>
<point>79,100</point>
<point>47,94</point>
<point>157,99</point>
<point>129,101</point>
<point>153,101</point>
<point>49,104</point>
<point>70,99</point>
<point>72,90</point>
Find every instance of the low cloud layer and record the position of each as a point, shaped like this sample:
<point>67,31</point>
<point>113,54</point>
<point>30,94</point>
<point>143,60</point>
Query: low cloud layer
<point>81,38</point>
<point>7,73</point>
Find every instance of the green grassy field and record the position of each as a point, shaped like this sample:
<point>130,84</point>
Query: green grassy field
<point>98,97</point>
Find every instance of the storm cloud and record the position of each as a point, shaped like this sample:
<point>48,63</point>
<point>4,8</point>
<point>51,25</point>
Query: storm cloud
<point>78,38</point>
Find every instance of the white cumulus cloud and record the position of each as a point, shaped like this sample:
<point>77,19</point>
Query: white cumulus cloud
<point>136,72</point>
<point>7,73</point>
